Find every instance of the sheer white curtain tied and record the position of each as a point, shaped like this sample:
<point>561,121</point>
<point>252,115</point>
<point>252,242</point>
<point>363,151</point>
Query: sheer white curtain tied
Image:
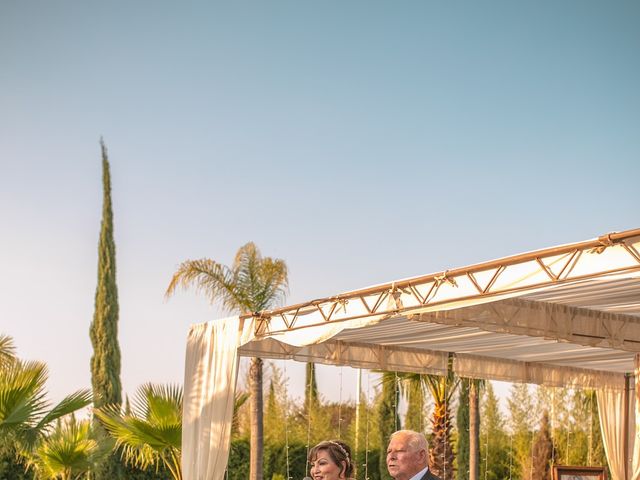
<point>211,370</point>
<point>618,411</point>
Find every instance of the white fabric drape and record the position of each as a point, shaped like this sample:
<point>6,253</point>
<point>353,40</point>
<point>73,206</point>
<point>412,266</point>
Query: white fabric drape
<point>618,412</point>
<point>211,370</point>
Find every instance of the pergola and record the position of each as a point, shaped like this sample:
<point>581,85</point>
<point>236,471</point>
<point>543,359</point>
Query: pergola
<point>562,316</point>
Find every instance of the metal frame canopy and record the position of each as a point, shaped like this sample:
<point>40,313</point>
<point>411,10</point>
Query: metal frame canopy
<point>562,316</point>
<point>558,316</point>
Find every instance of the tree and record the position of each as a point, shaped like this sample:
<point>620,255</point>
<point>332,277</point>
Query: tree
<point>311,396</point>
<point>474,427</point>
<point>388,420</point>
<point>250,285</point>
<point>495,448</point>
<point>412,387</point>
<point>276,409</point>
<point>587,417</point>
<point>441,453</point>
<point>521,409</point>
<point>105,362</point>
<point>462,422</point>
<point>542,450</point>
<point>152,432</point>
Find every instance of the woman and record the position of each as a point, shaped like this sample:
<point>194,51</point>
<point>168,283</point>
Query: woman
<point>331,460</point>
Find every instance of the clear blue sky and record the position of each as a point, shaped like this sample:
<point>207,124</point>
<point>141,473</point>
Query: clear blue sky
<point>361,141</point>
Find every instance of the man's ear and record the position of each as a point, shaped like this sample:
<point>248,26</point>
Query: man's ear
<point>424,456</point>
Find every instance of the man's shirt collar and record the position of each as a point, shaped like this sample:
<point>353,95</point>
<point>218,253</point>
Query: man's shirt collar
<point>420,474</point>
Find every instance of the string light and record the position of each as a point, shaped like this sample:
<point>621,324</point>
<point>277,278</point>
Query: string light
<point>311,373</point>
<point>286,418</point>
<point>340,407</point>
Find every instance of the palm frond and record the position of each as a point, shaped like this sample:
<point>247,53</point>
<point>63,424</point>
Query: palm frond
<point>252,284</point>
<point>69,451</point>
<point>274,283</point>
<point>262,282</point>
<point>69,404</point>
<point>22,394</point>
<point>238,401</point>
<point>23,407</point>
<point>209,277</point>
<point>153,431</point>
<point>163,403</point>
<point>7,351</point>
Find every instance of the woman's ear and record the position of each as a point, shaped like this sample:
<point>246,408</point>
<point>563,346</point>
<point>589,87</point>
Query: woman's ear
<point>343,470</point>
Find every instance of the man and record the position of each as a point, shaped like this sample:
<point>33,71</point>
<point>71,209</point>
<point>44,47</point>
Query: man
<point>408,456</point>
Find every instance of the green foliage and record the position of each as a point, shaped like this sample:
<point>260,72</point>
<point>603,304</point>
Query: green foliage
<point>25,415</point>
<point>7,351</point>
<point>388,419</point>
<point>151,434</point>
<point>520,405</point>
<point>441,454</point>
<point>252,284</point>
<point>576,430</point>
<point>68,452</point>
<point>311,396</point>
<point>412,386</point>
<point>494,441</point>
<point>462,423</point>
<point>13,466</point>
<point>159,472</point>
<point>238,464</point>
<point>105,362</point>
<point>275,460</point>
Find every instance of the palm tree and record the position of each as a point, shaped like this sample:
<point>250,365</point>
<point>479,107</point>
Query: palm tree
<point>7,351</point>
<point>250,285</point>
<point>441,454</point>
<point>24,411</point>
<point>68,452</point>
<point>151,432</point>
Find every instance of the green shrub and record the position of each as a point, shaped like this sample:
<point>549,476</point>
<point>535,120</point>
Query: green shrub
<point>12,468</point>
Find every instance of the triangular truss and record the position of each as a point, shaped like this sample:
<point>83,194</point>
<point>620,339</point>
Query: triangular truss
<point>607,256</point>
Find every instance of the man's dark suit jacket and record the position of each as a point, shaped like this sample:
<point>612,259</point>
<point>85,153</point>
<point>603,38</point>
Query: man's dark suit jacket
<point>429,476</point>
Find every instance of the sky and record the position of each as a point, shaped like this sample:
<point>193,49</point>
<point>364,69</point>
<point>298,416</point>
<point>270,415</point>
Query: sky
<point>360,141</point>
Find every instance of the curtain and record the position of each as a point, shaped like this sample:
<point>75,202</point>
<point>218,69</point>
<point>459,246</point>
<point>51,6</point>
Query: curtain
<point>618,412</point>
<point>211,370</point>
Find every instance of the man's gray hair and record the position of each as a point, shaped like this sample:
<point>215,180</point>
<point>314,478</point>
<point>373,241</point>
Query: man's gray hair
<point>416,440</point>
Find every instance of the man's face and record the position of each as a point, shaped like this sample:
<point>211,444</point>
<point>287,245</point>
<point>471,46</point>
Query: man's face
<point>403,462</point>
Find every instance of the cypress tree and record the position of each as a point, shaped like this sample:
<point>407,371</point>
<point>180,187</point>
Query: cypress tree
<point>521,422</point>
<point>495,442</point>
<point>412,384</point>
<point>105,362</point>
<point>311,396</point>
<point>462,422</point>
<point>388,420</point>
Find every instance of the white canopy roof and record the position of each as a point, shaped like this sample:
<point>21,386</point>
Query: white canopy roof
<point>564,315</point>
<point>567,315</point>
